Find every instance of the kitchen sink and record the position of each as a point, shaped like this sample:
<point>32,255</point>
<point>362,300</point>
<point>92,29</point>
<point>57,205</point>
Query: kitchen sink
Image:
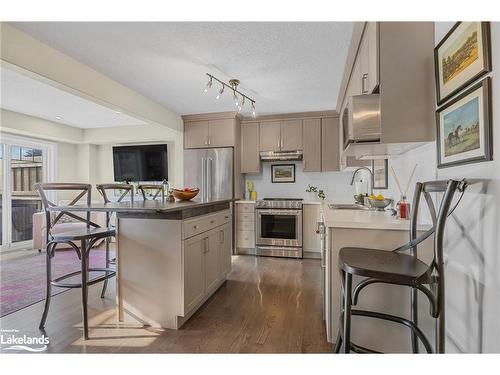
<point>347,206</point>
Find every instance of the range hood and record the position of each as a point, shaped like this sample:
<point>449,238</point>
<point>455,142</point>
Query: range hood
<point>280,155</point>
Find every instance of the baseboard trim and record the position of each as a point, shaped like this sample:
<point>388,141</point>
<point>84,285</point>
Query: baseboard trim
<point>311,255</point>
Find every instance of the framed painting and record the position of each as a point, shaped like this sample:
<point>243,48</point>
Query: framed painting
<point>380,168</point>
<point>282,173</point>
<point>461,57</point>
<point>464,127</point>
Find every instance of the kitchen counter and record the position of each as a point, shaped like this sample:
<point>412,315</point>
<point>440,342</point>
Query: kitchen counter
<point>161,209</point>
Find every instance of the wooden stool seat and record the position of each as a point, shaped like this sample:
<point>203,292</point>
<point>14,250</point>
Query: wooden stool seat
<point>384,265</point>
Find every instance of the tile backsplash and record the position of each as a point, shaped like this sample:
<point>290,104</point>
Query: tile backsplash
<point>335,184</point>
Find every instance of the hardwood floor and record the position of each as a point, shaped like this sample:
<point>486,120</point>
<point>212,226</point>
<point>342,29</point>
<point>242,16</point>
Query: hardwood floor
<point>268,305</point>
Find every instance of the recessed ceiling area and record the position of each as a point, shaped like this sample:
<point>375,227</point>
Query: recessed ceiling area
<point>285,66</point>
<point>24,94</point>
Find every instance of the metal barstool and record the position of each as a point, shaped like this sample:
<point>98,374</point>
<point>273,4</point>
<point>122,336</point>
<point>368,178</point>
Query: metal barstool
<point>395,267</point>
<point>87,236</point>
<point>159,191</point>
<point>102,189</point>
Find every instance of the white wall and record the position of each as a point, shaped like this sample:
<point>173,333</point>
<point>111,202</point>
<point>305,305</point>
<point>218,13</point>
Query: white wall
<point>335,184</point>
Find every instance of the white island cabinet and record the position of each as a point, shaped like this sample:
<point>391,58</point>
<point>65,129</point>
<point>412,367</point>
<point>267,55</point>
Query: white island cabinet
<point>169,265</point>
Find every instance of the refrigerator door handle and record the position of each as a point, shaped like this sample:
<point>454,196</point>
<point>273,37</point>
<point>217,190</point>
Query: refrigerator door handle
<point>203,179</point>
<point>210,173</point>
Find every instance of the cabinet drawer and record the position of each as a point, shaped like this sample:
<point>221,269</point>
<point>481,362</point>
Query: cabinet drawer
<point>245,217</point>
<point>245,226</point>
<point>245,208</point>
<point>245,238</point>
<point>197,225</point>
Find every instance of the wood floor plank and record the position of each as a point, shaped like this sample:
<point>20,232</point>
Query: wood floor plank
<point>268,305</point>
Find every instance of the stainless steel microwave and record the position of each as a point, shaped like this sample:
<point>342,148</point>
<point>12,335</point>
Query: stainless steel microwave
<point>361,119</point>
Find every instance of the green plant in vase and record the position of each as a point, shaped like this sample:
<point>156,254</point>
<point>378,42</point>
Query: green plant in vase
<point>321,195</point>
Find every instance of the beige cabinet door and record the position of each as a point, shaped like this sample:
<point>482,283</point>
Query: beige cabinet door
<point>311,214</point>
<point>194,271</point>
<point>196,134</point>
<point>221,133</point>
<point>364,63</point>
<point>291,135</point>
<point>312,145</point>
<point>225,250</point>
<point>373,55</point>
<point>330,144</point>
<point>212,272</point>
<point>355,81</point>
<point>250,160</point>
<point>270,136</point>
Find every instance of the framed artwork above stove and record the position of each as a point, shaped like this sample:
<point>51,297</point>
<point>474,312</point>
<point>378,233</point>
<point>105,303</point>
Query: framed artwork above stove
<point>282,173</point>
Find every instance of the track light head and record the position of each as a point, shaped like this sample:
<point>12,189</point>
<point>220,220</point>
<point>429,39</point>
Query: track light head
<point>221,91</point>
<point>209,85</point>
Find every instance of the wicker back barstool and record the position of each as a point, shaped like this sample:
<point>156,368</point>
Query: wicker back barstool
<point>87,236</point>
<point>397,268</point>
<point>159,191</point>
<point>103,189</point>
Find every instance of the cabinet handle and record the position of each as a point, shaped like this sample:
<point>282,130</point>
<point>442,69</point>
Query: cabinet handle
<point>205,245</point>
<point>222,236</point>
<point>363,80</point>
<point>279,141</point>
<point>304,165</point>
<point>212,221</point>
<point>209,140</point>
<point>195,226</point>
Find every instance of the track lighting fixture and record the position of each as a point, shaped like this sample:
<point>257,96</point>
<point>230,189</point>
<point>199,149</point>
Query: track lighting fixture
<point>233,85</point>
<point>221,91</point>
<point>208,86</point>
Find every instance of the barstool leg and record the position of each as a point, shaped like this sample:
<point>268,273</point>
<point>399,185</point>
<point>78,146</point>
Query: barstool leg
<point>347,312</point>
<point>338,343</point>
<point>104,286</point>
<point>85,289</point>
<point>48,286</point>
<point>414,318</point>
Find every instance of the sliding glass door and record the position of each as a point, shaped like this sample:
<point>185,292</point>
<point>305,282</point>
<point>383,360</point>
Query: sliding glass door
<point>24,163</point>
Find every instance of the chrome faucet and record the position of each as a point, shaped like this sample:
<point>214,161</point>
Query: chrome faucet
<point>372,178</point>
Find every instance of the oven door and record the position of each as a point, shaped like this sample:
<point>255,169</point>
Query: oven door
<point>279,227</point>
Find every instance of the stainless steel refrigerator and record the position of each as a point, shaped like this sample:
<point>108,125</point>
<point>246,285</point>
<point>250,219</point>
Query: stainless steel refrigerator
<point>211,170</point>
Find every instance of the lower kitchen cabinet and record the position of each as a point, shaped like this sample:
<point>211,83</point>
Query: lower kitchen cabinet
<point>207,259</point>
<point>245,227</point>
<point>213,273</point>
<point>194,271</point>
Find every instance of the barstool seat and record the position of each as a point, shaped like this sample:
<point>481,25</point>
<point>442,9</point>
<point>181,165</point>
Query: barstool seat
<point>385,265</point>
<point>83,234</point>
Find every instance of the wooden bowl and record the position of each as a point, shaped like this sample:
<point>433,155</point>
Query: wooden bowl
<point>185,195</point>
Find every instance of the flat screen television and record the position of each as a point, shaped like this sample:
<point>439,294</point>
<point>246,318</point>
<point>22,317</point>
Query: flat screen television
<point>140,163</point>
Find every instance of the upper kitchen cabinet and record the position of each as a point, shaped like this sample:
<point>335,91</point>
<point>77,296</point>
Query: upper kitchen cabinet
<point>291,135</point>
<point>395,61</point>
<point>195,134</point>
<point>329,144</point>
<point>270,136</point>
<point>283,135</point>
<point>250,161</point>
<point>209,132</point>
<point>312,145</point>
<point>368,59</point>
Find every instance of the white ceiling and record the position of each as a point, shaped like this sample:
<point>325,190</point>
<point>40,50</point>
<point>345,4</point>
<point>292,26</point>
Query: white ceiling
<point>286,67</point>
<point>23,94</point>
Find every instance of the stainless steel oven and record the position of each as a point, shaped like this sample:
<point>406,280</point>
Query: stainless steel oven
<point>279,228</point>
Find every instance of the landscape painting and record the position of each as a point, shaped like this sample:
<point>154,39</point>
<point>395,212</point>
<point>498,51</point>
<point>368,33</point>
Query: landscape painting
<point>461,57</point>
<point>461,128</point>
<point>283,173</point>
<point>461,53</point>
<point>464,127</point>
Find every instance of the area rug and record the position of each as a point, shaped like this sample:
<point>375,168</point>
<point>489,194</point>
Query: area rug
<point>23,278</point>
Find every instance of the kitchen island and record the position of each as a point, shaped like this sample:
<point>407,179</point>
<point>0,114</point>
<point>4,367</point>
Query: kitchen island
<point>171,257</point>
<point>376,230</point>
